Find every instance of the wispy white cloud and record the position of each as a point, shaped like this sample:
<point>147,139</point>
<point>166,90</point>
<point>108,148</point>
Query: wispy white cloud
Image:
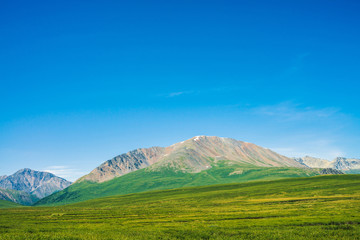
<point>175,94</point>
<point>183,93</point>
<point>308,130</point>
<point>289,151</point>
<point>321,148</point>
<point>66,172</point>
<point>326,147</point>
<point>200,92</point>
<point>329,152</point>
<point>289,111</point>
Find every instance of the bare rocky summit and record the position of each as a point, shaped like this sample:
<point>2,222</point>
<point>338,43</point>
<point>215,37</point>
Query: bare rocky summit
<point>193,155</point>
<point>40,184</point>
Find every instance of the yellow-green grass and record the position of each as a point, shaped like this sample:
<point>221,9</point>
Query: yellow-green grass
<point>322,207</point>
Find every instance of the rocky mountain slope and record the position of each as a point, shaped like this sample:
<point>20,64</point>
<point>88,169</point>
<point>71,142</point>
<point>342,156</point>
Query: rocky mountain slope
<point>342,163</point>
<point>40,184</point>
<point>193,155</point>
<point>125,163</point>
<point>339,163</point>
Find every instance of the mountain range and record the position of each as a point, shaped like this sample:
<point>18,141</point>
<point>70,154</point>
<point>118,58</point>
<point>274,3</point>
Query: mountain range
<point>27,186</point>
<point>201,160</point>
<point>347,165</point>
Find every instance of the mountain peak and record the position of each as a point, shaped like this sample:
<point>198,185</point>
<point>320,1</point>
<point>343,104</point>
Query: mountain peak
<point>35,182</point>
<point>193,155</point>
<point>31,172</point>
<point>204,137</point>
<point>25,170</point>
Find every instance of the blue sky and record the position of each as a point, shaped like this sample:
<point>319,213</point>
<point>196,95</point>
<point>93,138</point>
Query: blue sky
<point>83,81</point>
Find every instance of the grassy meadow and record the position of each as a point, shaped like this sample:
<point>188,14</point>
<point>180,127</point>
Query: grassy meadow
<point>321,207</point>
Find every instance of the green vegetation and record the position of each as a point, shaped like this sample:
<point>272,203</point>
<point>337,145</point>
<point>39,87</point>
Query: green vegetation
<point>20,197</point>
<point>7,204</point>
<point>322,207</point>
<point>146,179</point>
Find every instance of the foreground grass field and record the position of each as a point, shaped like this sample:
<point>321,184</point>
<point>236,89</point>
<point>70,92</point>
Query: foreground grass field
<point>322,207</point>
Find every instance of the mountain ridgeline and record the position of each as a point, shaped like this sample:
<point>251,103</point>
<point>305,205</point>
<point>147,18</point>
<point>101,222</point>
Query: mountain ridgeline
<point>201,160</point>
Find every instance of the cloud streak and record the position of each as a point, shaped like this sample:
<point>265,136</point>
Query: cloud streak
<point>200,92</point>
<point>175,94</point>
<point>65,172</point>
<point>329,151</point>
<point>288,111</point>
<point>303,130</point>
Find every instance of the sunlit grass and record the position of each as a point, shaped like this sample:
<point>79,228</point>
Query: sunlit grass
<point>325,207</point>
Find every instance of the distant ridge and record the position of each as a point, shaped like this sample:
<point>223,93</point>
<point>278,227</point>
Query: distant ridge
<point>339,163</point>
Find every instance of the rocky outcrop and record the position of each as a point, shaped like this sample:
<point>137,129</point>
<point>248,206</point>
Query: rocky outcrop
<point>193,155</point>
<point>40,184</point>
<point>125,163</point>
<point>330,171</point>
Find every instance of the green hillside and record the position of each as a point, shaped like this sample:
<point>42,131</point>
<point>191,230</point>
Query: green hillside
<point>321,207</point>
<point>20,197</point>
<point>7,204</point>
<point>145,179</point>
